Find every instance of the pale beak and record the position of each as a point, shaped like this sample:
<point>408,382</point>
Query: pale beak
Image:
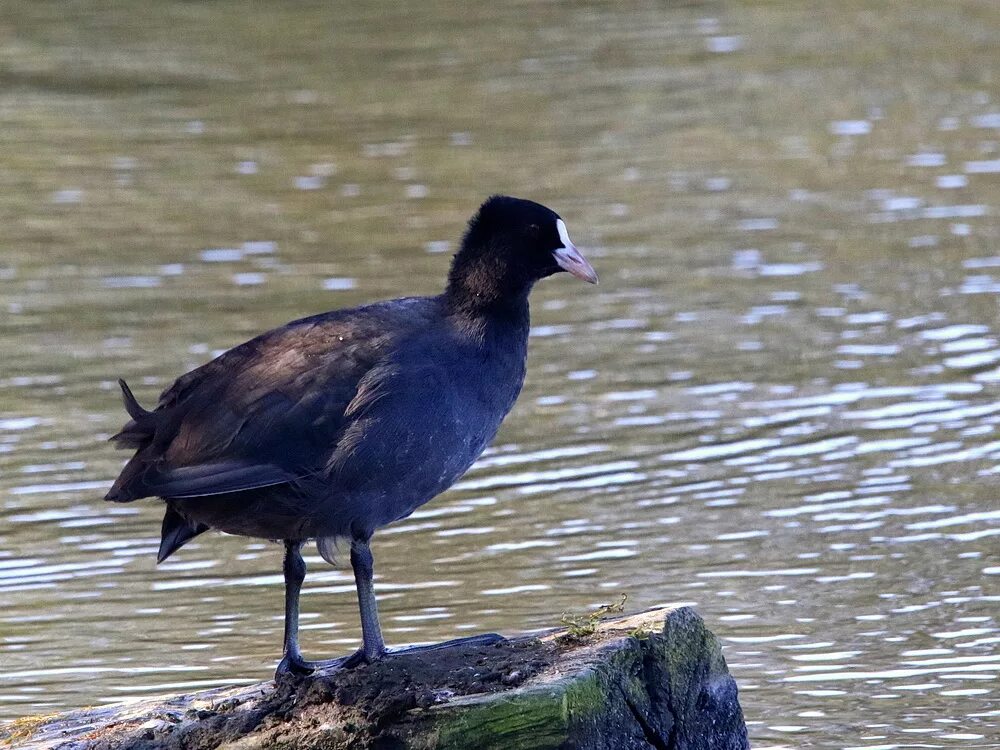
<point>569,259</point>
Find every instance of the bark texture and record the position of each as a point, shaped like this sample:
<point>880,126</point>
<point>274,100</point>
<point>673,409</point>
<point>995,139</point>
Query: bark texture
<point>651,681</point>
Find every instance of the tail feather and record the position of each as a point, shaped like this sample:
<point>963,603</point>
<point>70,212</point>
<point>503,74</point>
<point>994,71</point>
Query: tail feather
<point>132,406</point>
<point>137,433</point>
<point>175,533</point>
<point>128,486</point>
<point>139,430</point>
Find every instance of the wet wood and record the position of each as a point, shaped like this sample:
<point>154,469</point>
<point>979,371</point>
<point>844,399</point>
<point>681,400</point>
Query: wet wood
<point>655,680</point>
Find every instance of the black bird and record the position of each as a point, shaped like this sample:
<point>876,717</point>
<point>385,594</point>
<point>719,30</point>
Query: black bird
<point>335,425</point>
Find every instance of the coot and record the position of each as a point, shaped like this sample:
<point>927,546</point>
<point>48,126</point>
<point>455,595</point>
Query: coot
<point>335,425</point>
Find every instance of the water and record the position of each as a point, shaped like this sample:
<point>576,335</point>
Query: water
<point>781,404</point>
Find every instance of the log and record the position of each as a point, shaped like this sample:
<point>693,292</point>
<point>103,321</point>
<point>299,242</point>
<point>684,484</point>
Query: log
<point>655,680</point>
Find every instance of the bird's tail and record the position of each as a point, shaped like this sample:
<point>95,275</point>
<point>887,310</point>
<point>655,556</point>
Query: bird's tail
<point>139,430</point>
<point>137,433</point>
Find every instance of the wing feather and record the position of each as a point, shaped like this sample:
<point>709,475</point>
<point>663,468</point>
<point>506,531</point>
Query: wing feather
<point>265,413</point>
<point>218,478</point>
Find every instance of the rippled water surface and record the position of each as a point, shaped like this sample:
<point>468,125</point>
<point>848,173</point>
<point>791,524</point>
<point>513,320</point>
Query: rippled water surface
<point>781,405</point>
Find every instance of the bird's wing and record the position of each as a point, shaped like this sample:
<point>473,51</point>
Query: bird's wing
<point>215,478</point>
<point>267,412</point>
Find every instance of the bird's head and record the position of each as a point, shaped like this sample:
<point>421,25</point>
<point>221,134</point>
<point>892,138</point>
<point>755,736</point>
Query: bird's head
<point>510,244</point>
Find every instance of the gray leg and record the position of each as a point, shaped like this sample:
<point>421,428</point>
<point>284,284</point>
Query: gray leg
<point>295,572</point>
<point>371,632</point>
<point>374,647</point>
<point>294,568</point>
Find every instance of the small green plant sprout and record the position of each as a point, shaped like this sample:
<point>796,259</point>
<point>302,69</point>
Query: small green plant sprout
<point>579,627</point>
<point>641,633</point>
<point>22,729</point>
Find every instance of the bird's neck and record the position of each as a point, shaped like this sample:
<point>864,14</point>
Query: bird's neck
<point>484,320</point>
<point>484,308</point>
<point>482,285</point>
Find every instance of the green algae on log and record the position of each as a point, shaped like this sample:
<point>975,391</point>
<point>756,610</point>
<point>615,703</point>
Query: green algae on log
<point>655,680</point>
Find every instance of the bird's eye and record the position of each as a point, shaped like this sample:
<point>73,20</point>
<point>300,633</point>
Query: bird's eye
<point>534,230</point>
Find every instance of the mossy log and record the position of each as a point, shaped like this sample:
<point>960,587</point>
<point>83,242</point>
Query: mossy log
<point>656,680</point>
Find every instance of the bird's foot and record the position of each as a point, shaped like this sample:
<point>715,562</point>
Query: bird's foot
<point>484,639</point>
<point>359,657</point>
<point>294,666</point>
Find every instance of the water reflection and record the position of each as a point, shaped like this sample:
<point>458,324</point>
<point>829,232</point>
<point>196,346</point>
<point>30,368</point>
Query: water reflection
<point>780,405</point>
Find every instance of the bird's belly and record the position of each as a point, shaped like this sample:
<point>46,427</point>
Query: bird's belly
<point>396,471</point>
<point>266,513</point>
<point>414,483</point>
<point>389,465</point>
<point>404,478</point>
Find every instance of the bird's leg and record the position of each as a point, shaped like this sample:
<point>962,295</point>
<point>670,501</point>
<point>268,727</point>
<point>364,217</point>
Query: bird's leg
<point>295,571</point>
<point>373,647</point>
<point>294,568</point>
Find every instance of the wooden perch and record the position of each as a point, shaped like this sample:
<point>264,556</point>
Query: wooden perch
<point>656,680</point>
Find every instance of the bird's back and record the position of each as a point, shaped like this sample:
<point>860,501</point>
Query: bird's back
<point>331,423</point>
<point>264,410</point>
